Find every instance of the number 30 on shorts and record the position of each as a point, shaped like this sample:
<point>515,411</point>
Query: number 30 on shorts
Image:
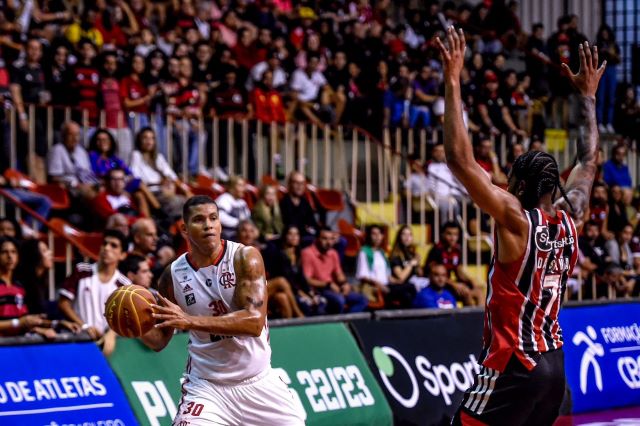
<point>193,409</point>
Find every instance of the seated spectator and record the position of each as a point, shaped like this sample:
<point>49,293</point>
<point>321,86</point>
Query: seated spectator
<point>614,281</point>
<point>446,190</point>
<point>627,114</point>
<point>322,270</point>
<point>425,93</point>
<point>616,171</point>
<point>232,207</point>
<point>10,228</point>
<point>494,110</point>
<point>436,295</point>
<point>398,110</point>
<point>152,168</point>
<point>119,222</point>
<point>486,157</point>
<point>85,292</point>
<point>69,164</point>
<point>271,64</point>
<point>314,93</point>
<point>617,213</point>
<point>229,98</point>
<point>448,252</point>
<point>33,273</point>
<point>599,208</point>
<point>266,102</point>
<point>296,210</point>
<point>266,214</point>
<point>287,263</point>
<point>115,199</point>
<point>374,272</point>
<point>136,269</point>
<point>405,260</point>
<point>14,313</point>
<point>618,250</point>
<point>279,290</point>
<point>593,251</point>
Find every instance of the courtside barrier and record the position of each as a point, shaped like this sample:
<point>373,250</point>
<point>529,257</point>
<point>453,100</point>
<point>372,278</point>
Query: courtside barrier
<point>321,363</point>
<point>60,384</point>
<point>424,365</point>
<point>602,355</point>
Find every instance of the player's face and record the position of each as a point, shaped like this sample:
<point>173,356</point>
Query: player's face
<point>438,276</point>
<point>8,256</point>
<point>203,228</point>
<point>111,252</point>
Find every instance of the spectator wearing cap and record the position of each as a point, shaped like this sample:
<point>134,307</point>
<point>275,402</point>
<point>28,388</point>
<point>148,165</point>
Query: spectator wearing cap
<point>494,109</point>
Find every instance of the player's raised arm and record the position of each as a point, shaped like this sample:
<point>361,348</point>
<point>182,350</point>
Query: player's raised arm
<point>158,338</point>
<point>250,298</point>
<point>501,205</point>
<point>580,180</point>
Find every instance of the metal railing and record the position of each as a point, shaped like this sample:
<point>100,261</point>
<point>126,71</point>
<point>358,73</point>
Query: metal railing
<point>371,172</point>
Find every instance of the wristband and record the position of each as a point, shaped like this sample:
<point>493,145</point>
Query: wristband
<point>85,326</point>
<point>15,323</point>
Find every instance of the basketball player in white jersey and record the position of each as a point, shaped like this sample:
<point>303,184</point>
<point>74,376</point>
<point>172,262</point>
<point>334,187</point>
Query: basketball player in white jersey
<point>218,292</point>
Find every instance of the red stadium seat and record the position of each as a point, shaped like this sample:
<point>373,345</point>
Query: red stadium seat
<point>251,195</point>
<point>330,199</point>
<point>58,195</point>
<point>88,243</point>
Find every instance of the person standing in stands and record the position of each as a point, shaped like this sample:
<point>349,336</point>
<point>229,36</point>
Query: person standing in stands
<point>86,82</point>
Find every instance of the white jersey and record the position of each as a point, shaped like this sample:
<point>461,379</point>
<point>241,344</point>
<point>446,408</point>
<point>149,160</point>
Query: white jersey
<point>209,292</point>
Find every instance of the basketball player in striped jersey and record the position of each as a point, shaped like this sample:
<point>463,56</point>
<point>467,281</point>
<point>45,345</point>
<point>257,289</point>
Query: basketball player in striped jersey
<point>521,381</point>
<point>218,293</point>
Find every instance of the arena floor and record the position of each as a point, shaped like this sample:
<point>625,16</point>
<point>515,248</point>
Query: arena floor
<point>622,417</point>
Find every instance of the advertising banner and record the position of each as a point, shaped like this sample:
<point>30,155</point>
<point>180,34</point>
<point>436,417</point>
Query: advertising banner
<point>322,363</point>
<point>602,355</point>
<point>423,365</point>
<point>60,384</point>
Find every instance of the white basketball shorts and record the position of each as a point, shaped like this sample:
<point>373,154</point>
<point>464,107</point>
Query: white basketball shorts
<point>262,400</point>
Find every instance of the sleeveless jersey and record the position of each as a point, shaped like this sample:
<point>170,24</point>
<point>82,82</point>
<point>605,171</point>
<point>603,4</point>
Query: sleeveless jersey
<point>524,296</point>
<point>209,291</point>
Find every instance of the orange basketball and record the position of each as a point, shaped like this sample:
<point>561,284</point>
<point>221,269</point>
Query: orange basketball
<point>128,311</point>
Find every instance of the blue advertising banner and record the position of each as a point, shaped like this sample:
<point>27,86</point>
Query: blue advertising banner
<point>602,355</point>
<point>60,384</point>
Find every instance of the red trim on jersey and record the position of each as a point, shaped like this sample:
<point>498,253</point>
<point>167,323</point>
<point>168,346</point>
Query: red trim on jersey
<point>467,420</point>
<point>216,261</point>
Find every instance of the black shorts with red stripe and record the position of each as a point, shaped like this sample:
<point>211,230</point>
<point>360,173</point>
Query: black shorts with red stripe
<point>516,396</point>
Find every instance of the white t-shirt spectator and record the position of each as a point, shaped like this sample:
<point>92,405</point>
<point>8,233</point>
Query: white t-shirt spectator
<point>379,269</point>
<point>88,294</point>
<point>441,182</point>
<point>151,175</point>
<point>232,211</point>
<point>256,73</point>
<point>71,167</point>
<point>307,87</point>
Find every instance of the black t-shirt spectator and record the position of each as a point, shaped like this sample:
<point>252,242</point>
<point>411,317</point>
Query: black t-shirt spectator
<point>228,100</point>
<point>301,216</point>
<point>594,252</point>
<point>401,262</point>
<point>337,78</point>
<point>58,82</point>
<point>31,80</point>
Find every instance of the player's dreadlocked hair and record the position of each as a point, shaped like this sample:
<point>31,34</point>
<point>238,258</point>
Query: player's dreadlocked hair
<point>539,172</point>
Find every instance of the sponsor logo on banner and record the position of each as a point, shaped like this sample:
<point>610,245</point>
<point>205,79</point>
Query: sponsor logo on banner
<point>602,355</point>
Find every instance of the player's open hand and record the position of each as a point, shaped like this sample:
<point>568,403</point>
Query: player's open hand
<point>453,54</point>
<point>588,76</point>
<point>171,315</point>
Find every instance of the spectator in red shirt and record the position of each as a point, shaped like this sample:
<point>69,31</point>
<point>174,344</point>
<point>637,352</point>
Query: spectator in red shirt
<point>246,51</point>
<point>448,252</point>
<point>114,198</point>
<point>322,270</point>
<point>14,318</point>
<point>135,96</point>
<point>267,102</point>
<point>86,81</point>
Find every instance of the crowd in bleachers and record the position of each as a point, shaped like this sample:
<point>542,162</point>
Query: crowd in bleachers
<point>132,72</point>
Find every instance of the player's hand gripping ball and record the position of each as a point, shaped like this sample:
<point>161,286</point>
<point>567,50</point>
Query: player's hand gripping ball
<point>129,312</point>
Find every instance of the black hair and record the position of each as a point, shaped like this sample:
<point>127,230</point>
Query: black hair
<point>114,233</point>
<point>8,240</point>
<point>93,142</point>
<point>539,171</point>
<point>324,228</point>
<point>537,26</point>
<point>369,230</point>
<point>131,264</point>
<point>16,226</point>
<point>107,176</point>
<point>591,223</point>
<point>196,200</point>
<point>450,224</point>
<point>138,141</point>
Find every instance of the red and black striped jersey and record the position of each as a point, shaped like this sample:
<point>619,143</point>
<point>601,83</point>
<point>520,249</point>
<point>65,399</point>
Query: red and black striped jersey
<point>524,296</point>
